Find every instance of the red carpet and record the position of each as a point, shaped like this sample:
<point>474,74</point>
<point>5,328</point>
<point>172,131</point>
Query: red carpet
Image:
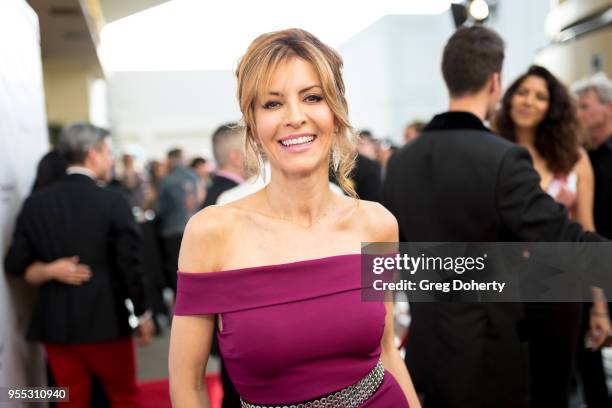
<point>155,394</point>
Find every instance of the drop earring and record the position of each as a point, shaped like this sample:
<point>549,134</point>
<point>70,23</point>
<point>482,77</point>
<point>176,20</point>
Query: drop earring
<point>335,160</point>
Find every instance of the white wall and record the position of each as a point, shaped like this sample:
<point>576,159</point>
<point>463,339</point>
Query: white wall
<point>23,140</point>
<point>161,110</point>
<point>367,58</point>
<point>391,70</point>
<point>521,24</point>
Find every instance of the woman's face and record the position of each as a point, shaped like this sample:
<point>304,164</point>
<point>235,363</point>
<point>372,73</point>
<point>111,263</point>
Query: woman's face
<point>530,102</point>
<point>293,122</point>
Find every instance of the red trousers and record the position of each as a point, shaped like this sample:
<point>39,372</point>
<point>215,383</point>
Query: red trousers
<point>112,362</point>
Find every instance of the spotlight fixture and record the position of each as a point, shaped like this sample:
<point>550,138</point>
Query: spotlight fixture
<point>460,14</point>
<point>479,10</point>
<point>468,12</point>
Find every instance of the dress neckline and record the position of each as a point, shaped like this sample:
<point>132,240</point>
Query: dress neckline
<point>274,266</point>
<point>233,290</point>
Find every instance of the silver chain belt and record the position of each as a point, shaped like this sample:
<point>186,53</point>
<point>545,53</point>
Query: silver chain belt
<point>349,397</point>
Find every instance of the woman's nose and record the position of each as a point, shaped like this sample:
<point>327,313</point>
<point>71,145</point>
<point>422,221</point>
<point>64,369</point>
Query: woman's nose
<point>295,115</point>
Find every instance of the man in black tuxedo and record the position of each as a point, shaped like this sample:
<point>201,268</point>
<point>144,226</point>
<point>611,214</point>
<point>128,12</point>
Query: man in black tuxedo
<point>459,182</point>
<point>80,244</point>
<point>229,152</point>
<point>595,108</point>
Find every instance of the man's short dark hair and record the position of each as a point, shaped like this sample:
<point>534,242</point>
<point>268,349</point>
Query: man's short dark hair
<point>470,57</point>
<point>366,134</point>
<point>77,139</point>
<point>197,161</point>
<point>418,125</point>
<point>175,154</point>
<point>227,137</point>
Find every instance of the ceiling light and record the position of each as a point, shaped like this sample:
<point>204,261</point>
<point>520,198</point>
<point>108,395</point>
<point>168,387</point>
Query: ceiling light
<point>479,10</point>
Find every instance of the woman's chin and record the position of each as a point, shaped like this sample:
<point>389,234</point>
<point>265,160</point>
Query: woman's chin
<point>524,123</point>
<point>302,168</point>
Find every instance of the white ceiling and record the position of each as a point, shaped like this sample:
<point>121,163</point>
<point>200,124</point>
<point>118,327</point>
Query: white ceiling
<point>212,35</point>
<point>64,34</point>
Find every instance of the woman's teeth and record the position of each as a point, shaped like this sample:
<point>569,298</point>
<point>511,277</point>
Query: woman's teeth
<point>298,140</point>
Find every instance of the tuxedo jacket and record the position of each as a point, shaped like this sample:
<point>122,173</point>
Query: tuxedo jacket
<point>75,216</point>
<point>459,182</point>
<point>367,177</point>
<point>219,185</point>
<point>601,159</point>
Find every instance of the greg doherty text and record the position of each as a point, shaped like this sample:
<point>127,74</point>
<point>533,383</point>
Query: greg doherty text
<point>427,286</point>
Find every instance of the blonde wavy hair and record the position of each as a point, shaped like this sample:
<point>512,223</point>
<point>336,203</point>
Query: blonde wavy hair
<point>254,74</point>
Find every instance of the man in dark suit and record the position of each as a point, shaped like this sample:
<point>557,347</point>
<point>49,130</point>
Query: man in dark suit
<point>229,152</point>
<point>459,182</point>
<point>595,108</point>
<point>80,244</point>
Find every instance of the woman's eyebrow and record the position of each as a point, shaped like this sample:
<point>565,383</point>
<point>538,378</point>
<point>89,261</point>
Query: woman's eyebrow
<point>306,89</point>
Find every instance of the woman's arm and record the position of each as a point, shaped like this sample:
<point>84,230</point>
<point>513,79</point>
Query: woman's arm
<point>385,229</point>
<point>585,192</point>
<point>66,270</point>
<point>393,361</point>
<point>190,341</point>
<point>191,336</point>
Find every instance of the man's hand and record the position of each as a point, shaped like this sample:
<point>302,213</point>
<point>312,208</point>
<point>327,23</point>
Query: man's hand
<point>69,271</point>
<point>145,329</point>
<point>600,328</point>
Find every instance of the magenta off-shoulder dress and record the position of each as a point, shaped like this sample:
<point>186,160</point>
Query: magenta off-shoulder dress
<point>293,332</point>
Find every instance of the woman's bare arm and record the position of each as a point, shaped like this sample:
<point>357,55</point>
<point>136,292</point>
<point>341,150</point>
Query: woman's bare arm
<point>190,341</point>
<point>385,229</point>
<point>585,192</point>
<point>191,336</point>
<point>393,361</point>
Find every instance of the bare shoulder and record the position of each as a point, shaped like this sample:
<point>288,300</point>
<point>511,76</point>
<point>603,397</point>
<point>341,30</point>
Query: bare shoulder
<point>378,224</point>
<point>583,165</point>
<point>583,156</point>
<point>205,238</point>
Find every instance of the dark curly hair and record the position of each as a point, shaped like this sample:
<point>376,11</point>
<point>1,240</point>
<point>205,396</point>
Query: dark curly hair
<point>558,135</point>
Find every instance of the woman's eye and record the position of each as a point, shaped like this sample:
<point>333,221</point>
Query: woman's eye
<point>542,97</point>
<point>271,105</point>
<point>313,98</point>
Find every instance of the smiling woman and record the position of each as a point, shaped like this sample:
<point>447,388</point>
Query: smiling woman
<point>296,332</point>
<point>291,85</point>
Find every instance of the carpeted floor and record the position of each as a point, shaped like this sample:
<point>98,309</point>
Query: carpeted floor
<point>154,393</point>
